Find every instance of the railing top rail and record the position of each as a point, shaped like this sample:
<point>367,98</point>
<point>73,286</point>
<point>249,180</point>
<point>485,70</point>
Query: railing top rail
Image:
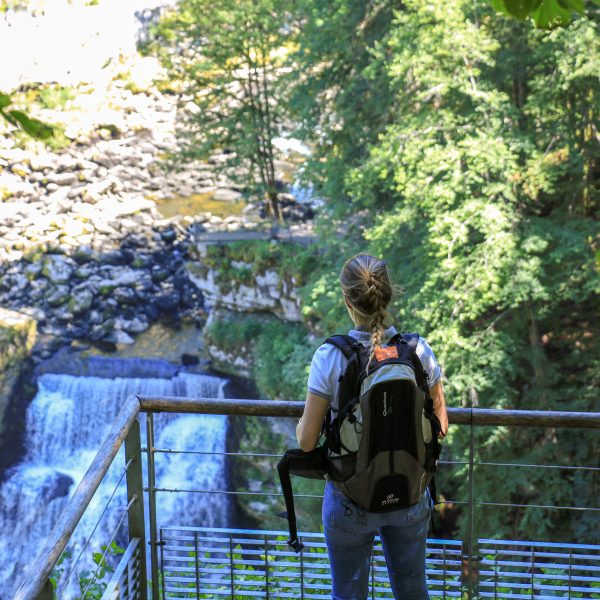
<point>285,408</point>
<point>39,571</point>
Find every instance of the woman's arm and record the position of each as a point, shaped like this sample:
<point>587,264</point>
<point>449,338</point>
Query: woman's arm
<point>309,426</point>
<point>439,406</point>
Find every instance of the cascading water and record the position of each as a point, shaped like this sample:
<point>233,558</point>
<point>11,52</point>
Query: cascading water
<point>66,423</point>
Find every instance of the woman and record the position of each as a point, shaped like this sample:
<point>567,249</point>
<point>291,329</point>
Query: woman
<point>349,530</point>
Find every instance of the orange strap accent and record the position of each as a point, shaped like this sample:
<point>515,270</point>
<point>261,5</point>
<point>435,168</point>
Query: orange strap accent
<point>383,353</point>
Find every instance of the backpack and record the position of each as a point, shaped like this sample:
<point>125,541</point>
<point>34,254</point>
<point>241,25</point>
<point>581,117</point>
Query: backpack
<point>381,433</point>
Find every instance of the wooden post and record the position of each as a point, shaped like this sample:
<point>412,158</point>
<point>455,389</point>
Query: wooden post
<point>47,592</point>
<point>152,506</point>
<point>135,488</point>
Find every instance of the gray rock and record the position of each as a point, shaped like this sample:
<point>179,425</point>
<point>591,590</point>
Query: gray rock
<point>81,301</point>
<point>83,254</point>
<point>159,273</point>
<point>134,325</point>
<point>95,318</point>
<point>62,179</point>
<point>119,337</point>
<point>124,295</point>
<point>120,277</point>
<point>84,272</point>
<point>102,330</point>
<point>33,271</point>
<point>41,162</point>
<point>227,195</point>
<point>58,296</point>
<point>57,269</point>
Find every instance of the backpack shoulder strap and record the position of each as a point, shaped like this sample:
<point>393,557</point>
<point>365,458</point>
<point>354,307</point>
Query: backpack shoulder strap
<point>346,343</point>
<point>412,339</point>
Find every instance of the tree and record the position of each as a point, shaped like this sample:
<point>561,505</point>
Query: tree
<point>228,57</point>
<point>479,185</point>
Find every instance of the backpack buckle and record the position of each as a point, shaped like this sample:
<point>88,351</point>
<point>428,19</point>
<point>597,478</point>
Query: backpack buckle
<point>296,545</point>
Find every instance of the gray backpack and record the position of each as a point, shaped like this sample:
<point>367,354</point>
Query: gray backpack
<point>382,432</point>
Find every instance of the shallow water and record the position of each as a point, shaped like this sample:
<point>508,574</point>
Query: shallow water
<point>199,203</point>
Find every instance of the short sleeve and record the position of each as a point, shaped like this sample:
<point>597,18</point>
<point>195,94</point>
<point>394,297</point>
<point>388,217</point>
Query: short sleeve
<point>324,370</point>
<point>429,362</point>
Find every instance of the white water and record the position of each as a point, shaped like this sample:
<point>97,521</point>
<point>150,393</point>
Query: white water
<point>66,423</point>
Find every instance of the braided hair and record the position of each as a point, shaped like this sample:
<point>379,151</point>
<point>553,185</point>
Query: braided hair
<point>366,286</point>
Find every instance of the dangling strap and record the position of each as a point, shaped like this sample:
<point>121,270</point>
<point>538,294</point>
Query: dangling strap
<point>283,468</point>
<point>433,495</point>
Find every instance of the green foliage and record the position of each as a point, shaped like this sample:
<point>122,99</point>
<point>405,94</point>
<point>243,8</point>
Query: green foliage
<point>240,262</point>
<point>282,355</point>
<point>279,352</point>
<point>17,118</point>
<point>476,177</point>
<point>93,583</point>
<point>226,56</point>
<point>55,97</point>
<point>546,14</point>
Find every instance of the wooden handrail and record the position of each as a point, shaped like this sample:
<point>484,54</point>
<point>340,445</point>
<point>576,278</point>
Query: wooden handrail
<point>288,408</point>
<point>40,569</point>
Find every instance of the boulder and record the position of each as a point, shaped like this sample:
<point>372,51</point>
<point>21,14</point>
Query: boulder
<point>57,268</point>
<point>58,296</point>
<point>81,301</point>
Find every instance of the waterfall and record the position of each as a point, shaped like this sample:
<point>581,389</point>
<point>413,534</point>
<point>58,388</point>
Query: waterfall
<point>66,423</point>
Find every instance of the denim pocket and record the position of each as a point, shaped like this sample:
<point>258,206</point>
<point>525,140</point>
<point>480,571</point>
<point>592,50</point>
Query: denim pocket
<point>342,513</point>
<point>420,510</point>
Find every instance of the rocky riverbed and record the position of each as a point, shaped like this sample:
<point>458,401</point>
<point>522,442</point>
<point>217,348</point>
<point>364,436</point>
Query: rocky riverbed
<point>84,247</point>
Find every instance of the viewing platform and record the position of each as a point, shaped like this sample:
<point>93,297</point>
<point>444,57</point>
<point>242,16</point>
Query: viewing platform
<point>176,562</point>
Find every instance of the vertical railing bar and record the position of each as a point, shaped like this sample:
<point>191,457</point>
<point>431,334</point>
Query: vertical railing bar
<point>125,583</point>
<point>470,521</point>
<point>162,566</point>
<point>267,567</point>
<point>444,573</point>
<point>152,504</point>
<point>532,569</point>
<point>496,576</point>
<point>231,566</point>
<point>570,570</point>
<point>196,550</point>
<point>301,576</point>
<point>373,574</point>
<point>135,488</point>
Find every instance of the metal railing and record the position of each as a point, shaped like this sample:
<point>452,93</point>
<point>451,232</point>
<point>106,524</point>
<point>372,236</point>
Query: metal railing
<point>129,580</point>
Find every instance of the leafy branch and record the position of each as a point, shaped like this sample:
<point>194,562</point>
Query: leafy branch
<point>17,118</point>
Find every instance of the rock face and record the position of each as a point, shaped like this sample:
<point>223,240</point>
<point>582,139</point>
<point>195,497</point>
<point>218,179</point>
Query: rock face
<point>234,360</point>
<point>255,292</point>
<point>17,337</point>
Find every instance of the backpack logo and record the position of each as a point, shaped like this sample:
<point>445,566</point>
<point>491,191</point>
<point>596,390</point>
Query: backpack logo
<point>391,499</point>
<point>387,408</point>
<point>382,354</point>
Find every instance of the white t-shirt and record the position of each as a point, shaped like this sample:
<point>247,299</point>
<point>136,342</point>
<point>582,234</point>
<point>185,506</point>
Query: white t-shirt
<point>328,363</point>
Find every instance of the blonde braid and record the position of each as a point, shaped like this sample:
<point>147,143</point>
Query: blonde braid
<point>366,285</point>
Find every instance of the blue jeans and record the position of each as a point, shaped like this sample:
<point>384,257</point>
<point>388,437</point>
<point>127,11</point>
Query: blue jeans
<point>349,533</point>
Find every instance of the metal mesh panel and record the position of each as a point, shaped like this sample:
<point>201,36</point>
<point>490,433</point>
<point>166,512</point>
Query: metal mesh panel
<point>209,563</point>
<point>536,570</point>
<point>125,583</point>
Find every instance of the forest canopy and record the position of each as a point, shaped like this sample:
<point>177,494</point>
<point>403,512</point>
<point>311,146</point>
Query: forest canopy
<point>462,146</point>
